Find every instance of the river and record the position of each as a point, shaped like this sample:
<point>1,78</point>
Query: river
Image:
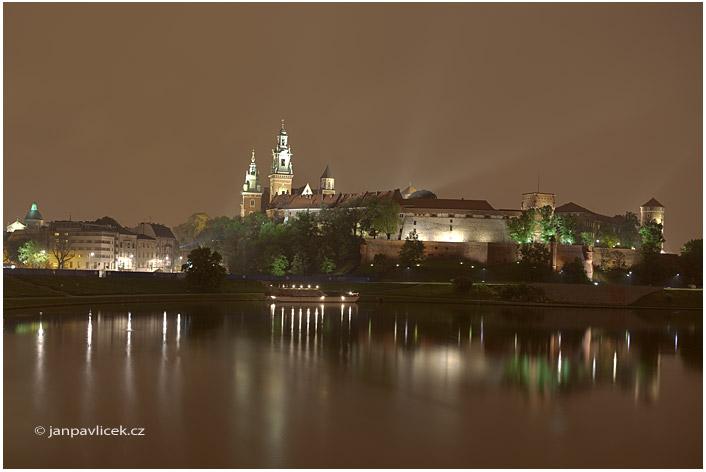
<point>392,385</point>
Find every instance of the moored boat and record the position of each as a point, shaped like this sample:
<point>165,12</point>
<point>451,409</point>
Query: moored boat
<point>301,294</point>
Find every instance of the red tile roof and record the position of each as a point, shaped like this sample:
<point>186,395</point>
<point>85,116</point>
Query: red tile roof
<point>446,204</point>
<point>653,203</point>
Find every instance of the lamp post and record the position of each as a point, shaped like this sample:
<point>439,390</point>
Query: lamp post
<point>89,260</point>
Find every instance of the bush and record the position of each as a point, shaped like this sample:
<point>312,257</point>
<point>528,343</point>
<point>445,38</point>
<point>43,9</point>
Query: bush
<point>522,293</point>
<point>574,272</point>
<point>380,263</point>
<point>462,284</point>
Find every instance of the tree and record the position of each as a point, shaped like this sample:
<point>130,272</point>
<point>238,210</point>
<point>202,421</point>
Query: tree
<point>189,231</point>
<point>521,228</point>
<point>630,230</point>
<point>574,272</point>
<point>204,269</point>
<point>108,221</point>
<point>587,239</point>
<point>33,255</point>
<point>62,250</point>
<point>535,262</point>
<point>327,265</point>
<point>300,264</point>
<point>385,218</point>
<point>547,224</point>
<point>567,229</point>
<point>691,261</point>
<point>652,237</point>
<point>412,251</point>
<point>607,237</point>
<point>380,263</point>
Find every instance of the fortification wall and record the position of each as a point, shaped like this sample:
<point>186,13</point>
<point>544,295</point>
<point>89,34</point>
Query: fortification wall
<point>602,255</point>
<point>485,253</point>
<point>457,228</point>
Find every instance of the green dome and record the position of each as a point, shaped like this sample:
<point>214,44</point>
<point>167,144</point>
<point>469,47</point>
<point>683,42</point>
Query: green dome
<point>33,214</point>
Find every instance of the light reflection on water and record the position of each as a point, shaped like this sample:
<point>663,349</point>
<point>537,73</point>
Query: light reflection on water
<point>237,381</point>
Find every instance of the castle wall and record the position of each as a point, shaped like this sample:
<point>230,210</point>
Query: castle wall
<point>483,253</point>
<point>602,255</point>
<point>457,228</point>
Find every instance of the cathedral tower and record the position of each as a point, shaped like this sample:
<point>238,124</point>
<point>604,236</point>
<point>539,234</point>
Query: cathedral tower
<point>281,175</point>
<point>327,183</point>
<point>252,190</point>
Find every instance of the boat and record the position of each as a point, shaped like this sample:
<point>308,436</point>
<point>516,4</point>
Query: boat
<point>309,294</point>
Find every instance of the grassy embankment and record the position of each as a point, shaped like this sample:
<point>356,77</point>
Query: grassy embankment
<point>27,291</point>
<point>428,282</point>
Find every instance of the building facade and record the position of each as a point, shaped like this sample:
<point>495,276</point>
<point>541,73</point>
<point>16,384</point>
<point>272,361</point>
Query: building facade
<point>281,174</point>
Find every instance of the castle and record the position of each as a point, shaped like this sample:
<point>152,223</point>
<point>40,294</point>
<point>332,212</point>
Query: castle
<point>434,220</point>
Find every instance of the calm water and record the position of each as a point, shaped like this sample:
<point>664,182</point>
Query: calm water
<point>397,385</point>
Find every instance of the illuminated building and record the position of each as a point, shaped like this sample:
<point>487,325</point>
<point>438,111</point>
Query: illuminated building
<point>252,196</point>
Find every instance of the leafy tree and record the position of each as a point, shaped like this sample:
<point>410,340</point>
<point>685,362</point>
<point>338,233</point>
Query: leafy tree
<point>300,264</point>
<point>535,262</point>
<point>547,224</point>
<point>380,263</point>
<point>607,237</point>
<point>412,251</point>
<point>422,194</point>
<point>630,230</point>
<point>189,231</point>
<point>651,269</point>
<point>279,264</point>
<point>107,220</point>
<point>574,272</point>
<point>327,265</point>
<point>652,237</point>
<point>521,228</point>
<point>587,239</point>
<point>385,218</point>
<point>567,229</point>
<point>691,261</point>
<point>32,254</point>
<point>12,246</point>
<point>204,269</point>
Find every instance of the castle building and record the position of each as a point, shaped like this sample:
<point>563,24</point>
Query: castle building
<point>251,196</point>
<point>652,211</point>
<point>281,175</point>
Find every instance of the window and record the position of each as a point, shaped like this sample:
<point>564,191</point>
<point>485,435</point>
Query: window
<point>252,202</point>
<point>415,222</point>
<point>282,163</point>
<point>451,221</point>
<point>451,227</point>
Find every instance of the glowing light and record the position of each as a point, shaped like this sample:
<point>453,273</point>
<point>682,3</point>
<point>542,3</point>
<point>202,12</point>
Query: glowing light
<point>593,370</point>
<point>558,369</point>
<point>615,365</point>
<point>676,341</point>
<point>595,283</point>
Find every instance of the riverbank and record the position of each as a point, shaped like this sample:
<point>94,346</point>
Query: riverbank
<point>44,291</point>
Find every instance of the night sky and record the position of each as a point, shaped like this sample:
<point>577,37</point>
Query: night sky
<point>151,110</point>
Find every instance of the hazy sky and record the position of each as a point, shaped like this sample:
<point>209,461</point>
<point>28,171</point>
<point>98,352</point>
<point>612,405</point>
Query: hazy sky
<point>139,110</point>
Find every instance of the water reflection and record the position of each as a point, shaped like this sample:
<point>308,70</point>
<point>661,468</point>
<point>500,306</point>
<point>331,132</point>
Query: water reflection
<point>242,370</point>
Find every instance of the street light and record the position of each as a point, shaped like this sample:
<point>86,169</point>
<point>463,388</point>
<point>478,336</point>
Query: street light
<point>89,259</point>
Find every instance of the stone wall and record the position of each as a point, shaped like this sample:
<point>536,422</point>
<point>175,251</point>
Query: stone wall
<point>601,255</point>
<point>484,253</point>
<point>457,228</point>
